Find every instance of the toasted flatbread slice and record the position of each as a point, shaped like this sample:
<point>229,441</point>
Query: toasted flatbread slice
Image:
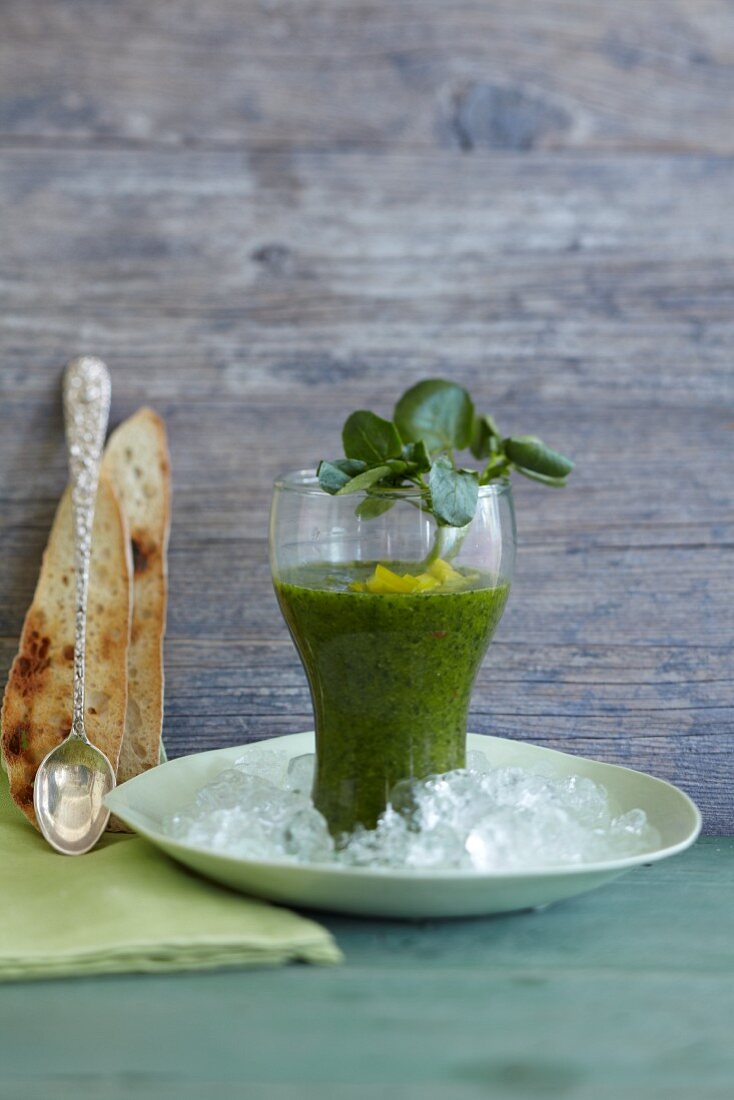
<point>136,459</point>
<point>37,706</point>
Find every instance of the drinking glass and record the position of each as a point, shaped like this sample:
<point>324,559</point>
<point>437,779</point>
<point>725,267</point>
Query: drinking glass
<point>390,674</point>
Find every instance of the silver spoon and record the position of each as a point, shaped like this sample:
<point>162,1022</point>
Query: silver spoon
<point>74,778</point>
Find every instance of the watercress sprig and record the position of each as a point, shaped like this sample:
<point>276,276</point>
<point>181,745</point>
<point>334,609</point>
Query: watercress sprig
<point>432,421</point>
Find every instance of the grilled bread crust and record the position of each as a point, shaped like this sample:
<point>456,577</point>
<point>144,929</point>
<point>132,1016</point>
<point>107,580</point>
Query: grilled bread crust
<point>136,459</point>
<point>37,705</point>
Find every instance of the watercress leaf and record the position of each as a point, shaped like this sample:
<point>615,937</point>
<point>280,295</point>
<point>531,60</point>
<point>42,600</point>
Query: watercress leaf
<point>349,466</point>
<point>333,476</point>
<point>368,437</point>
<point>454,493</point>
<point>364,480</point>
<point>496,467</point>
<point>439,413</point>
<point>485,436</point>
<point>416,454</point>
<point>397,465</point>
<point>553,482</point>
<point>371,507</point>
<point>531,453</point>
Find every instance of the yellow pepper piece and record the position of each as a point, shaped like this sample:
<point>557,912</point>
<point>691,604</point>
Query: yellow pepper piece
<point>425,582</point>
<point>384,581</point>
<point>444,572</point>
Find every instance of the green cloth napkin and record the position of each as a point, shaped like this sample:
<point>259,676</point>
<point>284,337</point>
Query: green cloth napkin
<point>126,907</point>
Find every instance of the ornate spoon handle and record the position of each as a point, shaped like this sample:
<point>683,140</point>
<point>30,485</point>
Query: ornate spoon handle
<point>86,411</point>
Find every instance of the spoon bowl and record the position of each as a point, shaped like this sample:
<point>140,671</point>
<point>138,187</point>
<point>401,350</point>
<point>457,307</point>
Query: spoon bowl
<point>68,796</point>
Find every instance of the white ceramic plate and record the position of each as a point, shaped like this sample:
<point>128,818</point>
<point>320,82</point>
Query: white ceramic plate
<point>144,801</point>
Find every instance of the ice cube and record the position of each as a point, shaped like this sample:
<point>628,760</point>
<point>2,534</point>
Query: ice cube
<point>228,789</point>
<point>477,761</point>
<point>404,800</point>
<point>265,762</point>
<point>307,837</point>
<point>439,847</point>
<point>300,773</point>
<point>489,819</point>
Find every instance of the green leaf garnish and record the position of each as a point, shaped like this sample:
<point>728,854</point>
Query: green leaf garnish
<point>333,476</point>
<point>454,493</point>
<point>417,456</point>
<point>440,413</point>
<point>368,437</point>
<point>530,453</point>
<point>365,480</point>
<point>552,482</point>
<point>397,466</point>
<point>432,421</point>
<point>373,506</point>
<point>485,437</point>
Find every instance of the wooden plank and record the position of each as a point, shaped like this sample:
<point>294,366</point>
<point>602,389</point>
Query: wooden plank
<point>320,73</point>
<point>603,996</point>
<point>559,244</point>
<point>256,300</point>
<point>644,703</point>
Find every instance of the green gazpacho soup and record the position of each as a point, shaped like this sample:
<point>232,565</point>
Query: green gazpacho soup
<point>390,673</point>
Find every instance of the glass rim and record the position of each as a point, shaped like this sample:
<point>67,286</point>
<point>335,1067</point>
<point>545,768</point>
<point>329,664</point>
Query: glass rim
<point>306,483</point>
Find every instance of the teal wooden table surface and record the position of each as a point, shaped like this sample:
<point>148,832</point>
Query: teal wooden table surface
<point>626,992</point>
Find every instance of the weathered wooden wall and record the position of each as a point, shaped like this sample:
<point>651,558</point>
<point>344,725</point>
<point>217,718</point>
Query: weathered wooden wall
<point>265,215</point>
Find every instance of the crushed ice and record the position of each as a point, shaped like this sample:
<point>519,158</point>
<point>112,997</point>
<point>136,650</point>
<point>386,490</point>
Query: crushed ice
<point>481,818</point>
